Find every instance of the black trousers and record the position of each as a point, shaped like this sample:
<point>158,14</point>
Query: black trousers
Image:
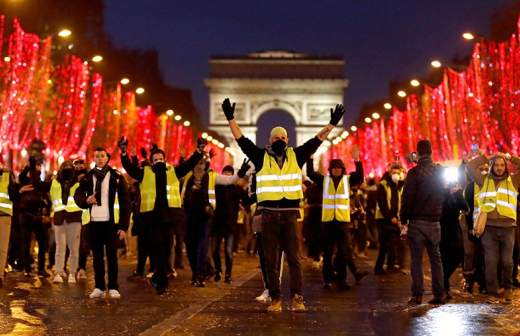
<point>279,234</point>
<point>228,252</point>
<point>388,245</point>
<point>144,243</point>
<point>30,224</point>
<point>197,245</point>
<point>160,248</point>
<point>452,257</point>
<point>84,248</point>
<point>337,235</point>
<point>103,236</point>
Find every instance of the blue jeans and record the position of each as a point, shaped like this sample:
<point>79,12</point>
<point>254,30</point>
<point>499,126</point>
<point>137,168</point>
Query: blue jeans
<point>498,245</point>
<point>423,234</point>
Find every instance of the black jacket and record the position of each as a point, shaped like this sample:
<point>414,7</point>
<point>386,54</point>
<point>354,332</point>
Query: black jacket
<point>37,201</point>
<point>117,184</point>
<point>423,192</point>
<point>382,201</point>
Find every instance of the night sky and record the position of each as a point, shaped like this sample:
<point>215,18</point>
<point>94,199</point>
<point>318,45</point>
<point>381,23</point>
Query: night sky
<point>380,40</point>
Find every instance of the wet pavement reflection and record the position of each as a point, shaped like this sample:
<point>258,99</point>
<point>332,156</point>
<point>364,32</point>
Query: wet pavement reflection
<point>376,306</point>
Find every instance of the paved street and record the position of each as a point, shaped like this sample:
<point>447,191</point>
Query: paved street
<point>377,306</point>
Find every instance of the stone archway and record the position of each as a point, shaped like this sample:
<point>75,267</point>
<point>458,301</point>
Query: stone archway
<point>304,86</point>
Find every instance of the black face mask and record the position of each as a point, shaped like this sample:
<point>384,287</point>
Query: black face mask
<point>67,174</point>
<point>159,166</point>
<point>278,147</point>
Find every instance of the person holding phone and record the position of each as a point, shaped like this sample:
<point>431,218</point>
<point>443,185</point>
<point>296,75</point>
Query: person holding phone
<point>104,191</point>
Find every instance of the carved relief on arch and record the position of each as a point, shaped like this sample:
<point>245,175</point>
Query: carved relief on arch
<point>293,108</point>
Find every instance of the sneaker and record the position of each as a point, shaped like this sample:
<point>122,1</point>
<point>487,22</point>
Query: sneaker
<point>415,300</point>
<point>437,301</point>
<point>173,274</point>
<point>149,275</point>
<point>57,279</point>
<point>275,306</point>
<point>97,293</point>
<point>297,304</point>
<point>264,297</point>
<point>360,275</point>
<point>71,279</point>
<point>82,275</point>
<point>114,294</point>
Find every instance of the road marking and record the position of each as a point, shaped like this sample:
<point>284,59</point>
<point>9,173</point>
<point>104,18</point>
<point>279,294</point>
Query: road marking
<point>178,318</point>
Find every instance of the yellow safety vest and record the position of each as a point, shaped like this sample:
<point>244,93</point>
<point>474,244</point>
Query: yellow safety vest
<point>477,198</point>
<point>336,202</point>
<point>57,203</point>
<point>116,209</point>
<point>6,205</point>
<point>388,190</point>
<point>148,194</point>
<point>274,184</point>
<point>502,197</point>
<point>212,178</point>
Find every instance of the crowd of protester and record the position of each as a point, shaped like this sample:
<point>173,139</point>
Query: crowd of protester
<point>463,217</point>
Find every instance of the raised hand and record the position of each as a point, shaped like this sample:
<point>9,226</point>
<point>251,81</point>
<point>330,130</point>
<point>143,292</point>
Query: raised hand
<point>355,153</point>
<point>244,168</point>
<point>144,154</point>
<point>229,110</point>
<point>123,144</point>
<point>336,114</point>
<point>201,143</point>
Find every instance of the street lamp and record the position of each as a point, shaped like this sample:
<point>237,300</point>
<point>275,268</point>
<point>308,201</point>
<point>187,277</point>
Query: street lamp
<point>64,33</point>
<point>139,90</point>
<point>187,123</point>
<point>177,117</point>
<point>368,120</point>
<point>401,93</point>
<point>387,106</point>
<point>415,83</point>
<point>124,81</point>
<point>353,128</point>
<point>468,36</point>
<point>436,64</point>
<point>169,112</point>
<point>97,58</point>
<point>375,116</point>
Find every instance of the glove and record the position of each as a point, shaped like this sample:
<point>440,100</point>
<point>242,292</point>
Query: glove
<point>244,168</point>
<point>144,154</point>
<point>229,110</point>
<point>336,114</point>
<point>123,145</point>
<point>201,143</point>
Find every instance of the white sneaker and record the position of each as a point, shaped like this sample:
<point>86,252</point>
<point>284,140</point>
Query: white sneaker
<point>114,294</point>
<point>57,279</point>
<point>72,279</point>
<point>82,275</point>
<point>264,297</point>
<point>97,293</point>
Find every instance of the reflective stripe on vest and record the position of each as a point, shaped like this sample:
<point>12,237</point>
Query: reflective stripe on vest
<point>212,181</point>
<point>116,209</point>
<point>6,205</point>
<point>274,184</point>
<point>388,189</point>
<point>336,202</point>
<point>477,200</point>
<point>57,203</point>
<point>502,197</point>
<point>148,189</point>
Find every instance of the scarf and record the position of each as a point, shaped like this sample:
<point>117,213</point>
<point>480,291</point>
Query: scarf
<point>100,176</point>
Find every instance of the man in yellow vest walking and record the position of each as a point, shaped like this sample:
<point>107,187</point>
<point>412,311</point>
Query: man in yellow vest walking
<point>161,203</point>
<point>498,199</point>
<point>335,218</point>
<point>279,191</point>
<point>7,194</point>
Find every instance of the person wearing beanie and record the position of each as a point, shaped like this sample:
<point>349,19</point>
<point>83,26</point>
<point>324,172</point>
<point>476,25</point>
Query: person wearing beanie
<point>421,207</point>
<point>161,203</point>
<point>279,192</point>
<point>498,209</point>
<point>335,218</point>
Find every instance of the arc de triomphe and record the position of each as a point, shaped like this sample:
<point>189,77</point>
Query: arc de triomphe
<point>304,86</point>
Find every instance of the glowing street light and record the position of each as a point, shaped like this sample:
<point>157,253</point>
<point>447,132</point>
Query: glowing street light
<point>97,58</point>
<point>375,116</point>
<point>368,120</point>
<point>436,64</point>
<point>468,36</point>
<point>401,93</point>
<point>187,123</point>
<point>387,106</point>
<point>415,82</point>
<point>209,138</point>
<point>204,135</point>
<point>169,112</point>
<point>7,59</point>
<point>139,90</point>
<point>124,81</point>
<point>353,128</point>
<point>64,33</point>
<point>177,117</point>
<point>344,135</point>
